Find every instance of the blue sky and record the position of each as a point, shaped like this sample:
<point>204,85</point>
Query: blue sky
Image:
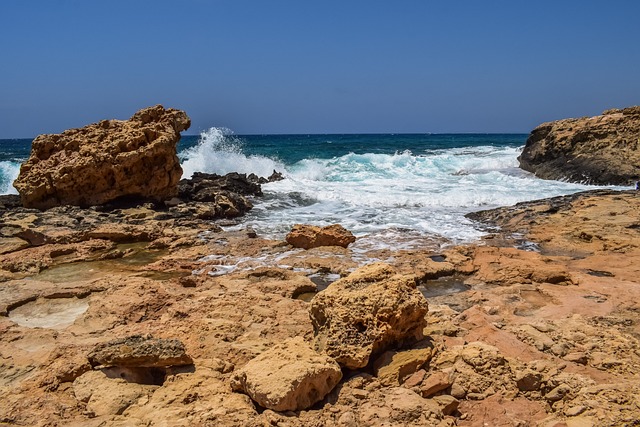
<point>317,67</point>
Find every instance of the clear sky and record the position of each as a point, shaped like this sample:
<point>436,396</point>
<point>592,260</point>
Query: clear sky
<point>295,66</point>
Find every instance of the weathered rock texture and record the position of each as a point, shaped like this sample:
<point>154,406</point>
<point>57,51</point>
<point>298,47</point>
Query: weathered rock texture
<point>288,377</point>
<point>140,351</point>
<point>595,150</point>
<point>106,160</point>
<point>365,312</point>
<point>311,236</point>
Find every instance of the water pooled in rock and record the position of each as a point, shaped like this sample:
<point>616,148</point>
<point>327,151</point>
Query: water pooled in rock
<point>56,313</point>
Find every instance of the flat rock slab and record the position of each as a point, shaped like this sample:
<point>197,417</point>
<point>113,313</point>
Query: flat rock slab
<point>140,351</point>
<point>288,377</point>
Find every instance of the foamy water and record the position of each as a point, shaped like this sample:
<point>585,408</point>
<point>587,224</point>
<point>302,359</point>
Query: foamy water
<point>399,200</point>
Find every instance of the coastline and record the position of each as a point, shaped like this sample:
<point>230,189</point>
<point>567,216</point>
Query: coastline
<point>556,328</point>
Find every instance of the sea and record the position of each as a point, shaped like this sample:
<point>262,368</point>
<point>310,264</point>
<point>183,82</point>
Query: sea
<point>393,191</point>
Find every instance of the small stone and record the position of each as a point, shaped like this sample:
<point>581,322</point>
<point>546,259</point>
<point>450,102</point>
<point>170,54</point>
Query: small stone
<point>436,382</point>
<point>448,404</point>
<point>576,357</point>
<point>348,419</point>
<point>575,411</point>
<point>458,391</point>
<point>415,379</point>
<point>557,393</point>
<point>528,380</point>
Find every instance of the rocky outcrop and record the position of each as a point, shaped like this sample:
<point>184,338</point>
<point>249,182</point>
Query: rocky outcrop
<point>365,312</point>
<point>140,351</point>
<point>594,150</point>
<point>288,377</point>
<point>310,236</point>
<point>104,161</point>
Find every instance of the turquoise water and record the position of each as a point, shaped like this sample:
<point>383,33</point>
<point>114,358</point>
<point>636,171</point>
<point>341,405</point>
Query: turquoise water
<point>392,191</point>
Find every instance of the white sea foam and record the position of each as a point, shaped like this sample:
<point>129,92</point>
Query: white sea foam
<point>219,151</point>
<point>399,199</point>
<point>8,173</point>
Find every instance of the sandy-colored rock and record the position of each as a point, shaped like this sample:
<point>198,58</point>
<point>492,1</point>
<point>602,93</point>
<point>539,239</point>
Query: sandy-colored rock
<point>108,396</point>
<point>311,236</point>
<point>140,351</point>
<point>106,160</point>
<point>288,377</point>
<point>435,382</point>
<point>393,367</point>
<point>596,150</point>
<point>365,312</point>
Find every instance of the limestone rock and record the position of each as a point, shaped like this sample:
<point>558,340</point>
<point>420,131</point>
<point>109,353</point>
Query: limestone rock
<point>140,351</point>
<point>596,150</point>
<point>310,236</point>
<point>108,396</point>
<point>104,161</point>
<point>288,377</point>
<point>393,367</point>
<point>365,312</point>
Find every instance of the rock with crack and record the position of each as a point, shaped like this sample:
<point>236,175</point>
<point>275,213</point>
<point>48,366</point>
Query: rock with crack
<point>364,313</point>
<point>289,377</point>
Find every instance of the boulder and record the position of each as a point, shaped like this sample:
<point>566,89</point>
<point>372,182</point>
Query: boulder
<point>311,236</point>
<point>105,161</point>
<point>603,149</point>
<point>289,377</point>
<point>366,312</point>
<point>140,351</point>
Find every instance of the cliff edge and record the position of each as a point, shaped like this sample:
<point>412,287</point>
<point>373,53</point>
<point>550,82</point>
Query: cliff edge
<point>602,150</point>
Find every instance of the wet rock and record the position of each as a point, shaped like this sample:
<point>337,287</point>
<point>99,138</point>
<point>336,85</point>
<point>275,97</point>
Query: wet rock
<point>104,161</point>
<point>310,236</point>
<point>595,150</point>
<point>365,312</point>
<point>140,351</point>
<point>288,377</point>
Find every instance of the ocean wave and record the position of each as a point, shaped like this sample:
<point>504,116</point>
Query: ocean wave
<point>219,151</point>
<point>9,171</point>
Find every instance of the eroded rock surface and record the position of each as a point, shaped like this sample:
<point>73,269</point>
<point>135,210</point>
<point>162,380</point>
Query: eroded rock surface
<point>365,312</point>
<point>595,150</point>
<point>310,236</point>
<point>289,377</point>
<point>104,161</point>
<point>140,351</point>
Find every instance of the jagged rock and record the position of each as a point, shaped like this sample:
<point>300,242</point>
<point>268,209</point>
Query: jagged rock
<point>140,351</point>
<point>310,236</point>
<point>104,161</point>
<point>288,377</point>
<point>365,312</point>
<point>595,150</point>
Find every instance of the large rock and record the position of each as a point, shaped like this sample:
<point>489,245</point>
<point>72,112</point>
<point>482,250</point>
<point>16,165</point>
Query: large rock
<point>288,377</point>
<point>104,161</point>
<point>140,351</point>
<point>311,236</point>
<point>595,150</point>
<point>365,312</point>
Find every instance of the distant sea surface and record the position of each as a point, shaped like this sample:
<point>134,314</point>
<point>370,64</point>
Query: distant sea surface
<point>393,191</point>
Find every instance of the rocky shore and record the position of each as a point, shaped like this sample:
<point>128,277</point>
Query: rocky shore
<point>148,312</point>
